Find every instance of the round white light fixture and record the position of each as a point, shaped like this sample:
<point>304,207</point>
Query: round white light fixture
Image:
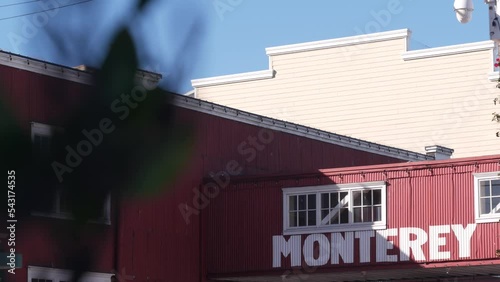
<point>463,9</point>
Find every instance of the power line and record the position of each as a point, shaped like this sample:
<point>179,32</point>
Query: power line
<point>55,8</point>
<point>20,3</point>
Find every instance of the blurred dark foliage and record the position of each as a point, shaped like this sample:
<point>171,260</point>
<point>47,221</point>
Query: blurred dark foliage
<point>144,152</point>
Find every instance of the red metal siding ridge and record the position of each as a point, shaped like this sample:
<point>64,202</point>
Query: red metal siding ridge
<point>434,198</point>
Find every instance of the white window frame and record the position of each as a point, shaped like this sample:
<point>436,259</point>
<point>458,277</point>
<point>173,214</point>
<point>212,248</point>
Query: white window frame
<point>58,275</point>
<point>48,130</point>
<point>358,226</point>
<point>477,207</point>
<point>42,129</point>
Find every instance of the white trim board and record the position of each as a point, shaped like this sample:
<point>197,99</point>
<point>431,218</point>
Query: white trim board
<point>406,55</point>
<point>233,78</point>
<point>296,129</point>
<point>338,42</point>
<point>448,50</point>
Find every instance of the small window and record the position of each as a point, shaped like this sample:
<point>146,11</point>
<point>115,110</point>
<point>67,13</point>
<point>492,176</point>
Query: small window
<point>487,196</point>
<point>45,274</point>
<point>42,137</point>
<point>326,208</point>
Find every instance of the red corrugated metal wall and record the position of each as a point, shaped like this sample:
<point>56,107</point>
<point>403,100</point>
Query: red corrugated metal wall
<point>245,217</point>
<point>217,144</point>
<point>32,97</point>
<point>156,243</point>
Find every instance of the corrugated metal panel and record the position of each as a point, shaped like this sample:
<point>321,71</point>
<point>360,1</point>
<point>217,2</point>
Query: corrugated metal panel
<point>436,199</point>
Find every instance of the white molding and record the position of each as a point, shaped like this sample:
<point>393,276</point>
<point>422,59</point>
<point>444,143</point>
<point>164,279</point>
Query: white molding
<point>56,275</point>
<point>233,78</point>
<point>493,76</point>
<point>338,42</point>
<point>448,50</point>
<point>330,187</point>
<point>190,93</point>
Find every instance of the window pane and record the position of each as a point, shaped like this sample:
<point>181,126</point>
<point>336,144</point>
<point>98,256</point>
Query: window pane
<point>344,215</point>
<point>485,206</point>
<point>292,219</point>
<point>367,214</point>
<point>377,197</point>
<point>325,201</point>
<point>324,213</point>
<point>36,142</point>
<point>367,197</point>
<point>311,204</point>
<point>377,213</point>
<point>293,203</point>
<point>334,199</point>
<point>311,218</point>
<point>356,197</point>
<point>357,214</point>
<point>302,218</point>
<point>344,197</point>
<point>335,216</point>
<point>495,187</point>
<point>484,188</point>
<point>495,207</point>
<point>302,202</point>
<point>64,202</point>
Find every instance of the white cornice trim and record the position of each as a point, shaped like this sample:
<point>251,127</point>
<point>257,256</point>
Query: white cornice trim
<point>240,77</point>
<point>338,42</point>
<point>448,50</point>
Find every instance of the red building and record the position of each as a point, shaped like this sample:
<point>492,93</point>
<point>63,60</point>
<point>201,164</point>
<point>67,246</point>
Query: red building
<point>165,238</point>
<point>430,220</point>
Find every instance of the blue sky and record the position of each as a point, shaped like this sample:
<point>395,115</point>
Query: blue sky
<point>230,35</point>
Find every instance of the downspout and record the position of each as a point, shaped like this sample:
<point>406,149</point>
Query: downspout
<point>117,208</point>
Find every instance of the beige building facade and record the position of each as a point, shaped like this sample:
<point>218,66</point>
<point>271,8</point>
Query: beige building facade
<point>373,87</point>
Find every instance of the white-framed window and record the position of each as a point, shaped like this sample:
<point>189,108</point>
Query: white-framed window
<point>487,197</point>
<point>41,136</point>
<point>346,207</point>
<point>42,139</point>
<point>45,274</point>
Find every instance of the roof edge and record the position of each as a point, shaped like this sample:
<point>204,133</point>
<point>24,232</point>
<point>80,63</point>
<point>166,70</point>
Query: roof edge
<point>338,42</point>
<point>232,78</point>
<point>80,74</point>
<point>45,68</point>
<point>296,129</point>
<point>448,50</point>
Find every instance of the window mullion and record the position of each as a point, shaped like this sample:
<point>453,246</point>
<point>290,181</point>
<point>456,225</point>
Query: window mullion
<point>349,206</point>
<point>318,209</point>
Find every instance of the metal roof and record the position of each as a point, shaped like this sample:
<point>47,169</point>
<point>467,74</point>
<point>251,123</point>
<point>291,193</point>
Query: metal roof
<point>296,129</point>
<point>82,75</point>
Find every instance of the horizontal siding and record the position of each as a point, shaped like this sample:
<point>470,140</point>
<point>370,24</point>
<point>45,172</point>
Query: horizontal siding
<point>374,94</point>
